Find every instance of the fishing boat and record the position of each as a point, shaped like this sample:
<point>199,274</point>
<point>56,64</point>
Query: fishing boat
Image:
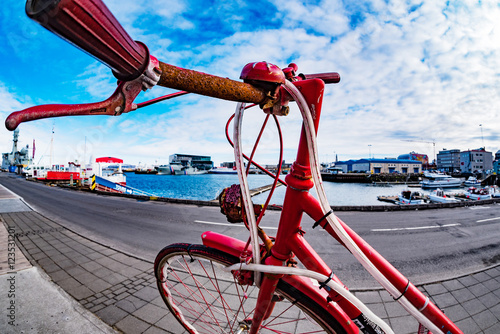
<point>472,181</point>
<point>494,191</point>
<point>409,197</point>
<point>478,194</point>
<point>438,196</point>
<point>110,169</point>
<point>440,180</point>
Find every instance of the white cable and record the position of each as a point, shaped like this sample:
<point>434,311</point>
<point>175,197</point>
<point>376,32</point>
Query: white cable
<point>320,278</point>
<point>333,220</point>
<point>245,189</point>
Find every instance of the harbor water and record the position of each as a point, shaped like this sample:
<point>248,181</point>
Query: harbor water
<point>207,187</point>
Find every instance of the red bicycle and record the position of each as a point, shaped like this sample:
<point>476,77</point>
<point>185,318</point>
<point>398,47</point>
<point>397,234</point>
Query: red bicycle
<point>264,284</point>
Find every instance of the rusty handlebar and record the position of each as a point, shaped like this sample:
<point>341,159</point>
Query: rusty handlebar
<point>209,85</point>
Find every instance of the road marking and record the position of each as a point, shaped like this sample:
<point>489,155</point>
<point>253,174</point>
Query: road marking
<point>412,228</point>
<point>487,220</point>
<point>225,224</point>
<point>482,207</point>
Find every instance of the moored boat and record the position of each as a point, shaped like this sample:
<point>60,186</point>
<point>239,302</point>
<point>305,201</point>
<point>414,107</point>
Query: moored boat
<point>177,168</point>
<point>478,194</point>
<point>439,180</point>
<point>438,196</point>
<point>223,170</point>
<point>111,169</point>
<point>190,170</point>
<point>171,169</point>
<point>409,197</point>
<point>494,191</point>
<point>472,181</point>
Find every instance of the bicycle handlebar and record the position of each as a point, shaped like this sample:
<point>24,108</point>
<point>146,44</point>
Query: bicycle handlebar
<point>328,78</point>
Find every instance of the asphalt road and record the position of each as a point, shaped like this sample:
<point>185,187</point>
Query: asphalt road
<point>424,245</point>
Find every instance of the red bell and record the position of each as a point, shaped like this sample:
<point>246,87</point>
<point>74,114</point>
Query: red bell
<point>262,71</point>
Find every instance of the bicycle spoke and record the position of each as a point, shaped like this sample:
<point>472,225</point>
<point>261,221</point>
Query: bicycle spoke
<point>208,300</point>
<point>191,309</point>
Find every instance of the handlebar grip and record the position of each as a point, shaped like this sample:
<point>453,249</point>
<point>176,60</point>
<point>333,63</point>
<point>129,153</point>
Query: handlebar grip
<point>331,77</point>
<point>89,25</point>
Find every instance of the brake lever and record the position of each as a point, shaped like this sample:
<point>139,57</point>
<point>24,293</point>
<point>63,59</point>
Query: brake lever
<point>121,101</point>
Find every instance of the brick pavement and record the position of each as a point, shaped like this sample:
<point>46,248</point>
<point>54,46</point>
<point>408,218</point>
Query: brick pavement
<point>121,289</point>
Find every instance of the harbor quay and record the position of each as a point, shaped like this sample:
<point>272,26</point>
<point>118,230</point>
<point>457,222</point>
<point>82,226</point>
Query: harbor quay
<point>68,279</point>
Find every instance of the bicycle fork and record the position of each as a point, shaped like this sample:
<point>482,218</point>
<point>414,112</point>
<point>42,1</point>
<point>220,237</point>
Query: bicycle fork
<point>266,299</point>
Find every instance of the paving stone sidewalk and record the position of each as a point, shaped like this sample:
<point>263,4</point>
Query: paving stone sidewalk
<point>121,289</point>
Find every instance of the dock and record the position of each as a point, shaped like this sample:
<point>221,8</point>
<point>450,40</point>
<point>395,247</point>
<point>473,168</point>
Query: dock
<point>260,190</point>
<point>389,199</point>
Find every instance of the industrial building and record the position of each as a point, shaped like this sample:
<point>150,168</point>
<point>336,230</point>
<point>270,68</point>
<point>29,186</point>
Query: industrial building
<point>201,162</point>
<point>377,166</point>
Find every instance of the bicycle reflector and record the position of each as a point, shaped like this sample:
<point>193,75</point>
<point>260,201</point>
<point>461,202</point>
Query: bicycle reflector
<point>90,26</point>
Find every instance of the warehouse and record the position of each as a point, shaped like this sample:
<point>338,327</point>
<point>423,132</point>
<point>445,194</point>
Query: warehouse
<point>377,166</point>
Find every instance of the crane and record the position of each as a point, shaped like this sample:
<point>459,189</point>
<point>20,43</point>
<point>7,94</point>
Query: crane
<point>433,142</point>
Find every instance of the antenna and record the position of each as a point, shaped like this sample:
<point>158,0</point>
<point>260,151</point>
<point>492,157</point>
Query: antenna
<point>433,142</point>
<point>482,138</point>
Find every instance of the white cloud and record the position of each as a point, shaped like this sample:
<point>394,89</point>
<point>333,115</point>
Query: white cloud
<point>327,17</point>
<point>97,80</point>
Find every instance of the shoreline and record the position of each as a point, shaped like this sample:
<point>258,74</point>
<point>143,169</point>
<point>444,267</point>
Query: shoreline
<point>215,202</point>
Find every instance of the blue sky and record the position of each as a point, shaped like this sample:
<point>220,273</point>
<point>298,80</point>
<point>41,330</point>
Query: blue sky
<point>426,71</point>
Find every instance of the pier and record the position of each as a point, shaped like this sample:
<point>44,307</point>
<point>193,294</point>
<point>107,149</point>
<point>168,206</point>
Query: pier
<point>263,189</point>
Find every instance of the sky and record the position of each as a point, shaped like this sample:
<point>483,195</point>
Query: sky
<point>416,76</point>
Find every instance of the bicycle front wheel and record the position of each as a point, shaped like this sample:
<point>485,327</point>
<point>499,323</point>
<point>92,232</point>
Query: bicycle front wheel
<point>206,299</point>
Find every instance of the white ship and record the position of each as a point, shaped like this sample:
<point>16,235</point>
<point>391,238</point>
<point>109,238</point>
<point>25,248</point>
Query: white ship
<point>438,180</point>
<point>16,160</point>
